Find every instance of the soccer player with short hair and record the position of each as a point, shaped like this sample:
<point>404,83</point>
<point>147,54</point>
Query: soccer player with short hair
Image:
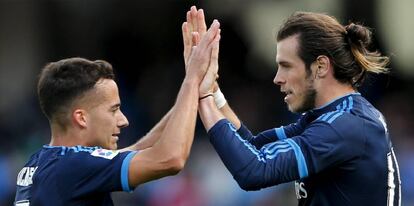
<point>339,151</point>
<point>81,165</point>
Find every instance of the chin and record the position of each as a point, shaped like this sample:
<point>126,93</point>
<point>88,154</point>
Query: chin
<point>297,108</point>
<point>293,108</point>
<point>113,147</point>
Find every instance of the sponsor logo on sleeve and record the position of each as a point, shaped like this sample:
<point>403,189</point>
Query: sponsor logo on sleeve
<point>104,153</point>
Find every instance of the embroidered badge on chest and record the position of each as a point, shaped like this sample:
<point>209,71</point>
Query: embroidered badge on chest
<point>104,153</point>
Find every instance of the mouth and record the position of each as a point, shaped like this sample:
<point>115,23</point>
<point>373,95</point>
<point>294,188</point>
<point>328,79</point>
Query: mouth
<point>288,95</point>
<point>116,136</point>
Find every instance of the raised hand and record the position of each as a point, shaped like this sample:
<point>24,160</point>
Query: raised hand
<point>199,59</point>
<point>195,23</point>
<point>209,84</point>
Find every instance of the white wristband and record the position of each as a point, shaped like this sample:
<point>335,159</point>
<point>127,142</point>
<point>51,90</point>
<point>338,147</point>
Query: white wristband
<point>219,98</point>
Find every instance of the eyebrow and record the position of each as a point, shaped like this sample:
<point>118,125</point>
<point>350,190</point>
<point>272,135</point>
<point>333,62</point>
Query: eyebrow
<point>282,62</point>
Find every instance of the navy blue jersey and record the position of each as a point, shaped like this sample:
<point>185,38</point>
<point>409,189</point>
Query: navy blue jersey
<point>72,176</point>
<point>338,154</point>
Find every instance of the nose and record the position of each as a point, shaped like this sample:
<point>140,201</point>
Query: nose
<point>123,121</point>
<point>278,80</point>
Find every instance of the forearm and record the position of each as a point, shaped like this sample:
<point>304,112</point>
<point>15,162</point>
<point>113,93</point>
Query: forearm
<point>178,134</point>
<point>224,107</point>
<point>252,168</point>
<point>209,113</point>
<point>258,141</point>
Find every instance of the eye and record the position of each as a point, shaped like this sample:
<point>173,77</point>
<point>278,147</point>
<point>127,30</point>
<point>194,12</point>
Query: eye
<point>115,109</point>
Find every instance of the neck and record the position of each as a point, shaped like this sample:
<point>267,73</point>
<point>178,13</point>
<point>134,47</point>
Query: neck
<point>65,137</point>
<point>333,91</point>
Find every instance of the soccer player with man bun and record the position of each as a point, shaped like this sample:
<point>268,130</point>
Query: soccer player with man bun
<point>339,151</point>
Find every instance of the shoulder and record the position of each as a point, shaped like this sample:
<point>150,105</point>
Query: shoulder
<point>79,162</point>
<point>341,121</point>
<point>339,127</point>
<point>93,155</point>
<point>81,158</point>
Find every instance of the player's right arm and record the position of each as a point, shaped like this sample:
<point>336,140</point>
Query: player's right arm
<point>168,155</point>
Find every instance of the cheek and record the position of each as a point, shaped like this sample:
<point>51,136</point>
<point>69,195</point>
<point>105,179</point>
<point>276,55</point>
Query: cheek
<point>101,123</point>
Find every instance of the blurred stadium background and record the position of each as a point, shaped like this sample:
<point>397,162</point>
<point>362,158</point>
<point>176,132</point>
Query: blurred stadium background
<point>142,40</point>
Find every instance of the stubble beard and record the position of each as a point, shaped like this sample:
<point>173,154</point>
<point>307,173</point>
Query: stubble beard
<point>309,98</point>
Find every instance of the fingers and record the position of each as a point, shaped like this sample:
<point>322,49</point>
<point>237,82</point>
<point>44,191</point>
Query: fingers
<point>194,18</point>
<point>193,22</point>
<point>185,31</point>
<point>215,54</point>
<point>189,21</point>
<point>195,38</point>
<point>201,23</point>
<point>187,41</point>
<point>211,34</point>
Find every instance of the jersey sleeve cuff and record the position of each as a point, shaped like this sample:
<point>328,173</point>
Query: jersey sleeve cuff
<point>217,126</point>
<point>124,172</point>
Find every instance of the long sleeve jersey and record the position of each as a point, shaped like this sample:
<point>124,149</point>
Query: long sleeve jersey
<point>338,154</point>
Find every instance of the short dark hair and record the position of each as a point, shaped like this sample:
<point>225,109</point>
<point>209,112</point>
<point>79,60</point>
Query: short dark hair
<point>345,46</point>
<point>61,82</point>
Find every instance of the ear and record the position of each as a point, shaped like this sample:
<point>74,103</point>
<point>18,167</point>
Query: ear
<point>323,66</point>
<point>79,118</point>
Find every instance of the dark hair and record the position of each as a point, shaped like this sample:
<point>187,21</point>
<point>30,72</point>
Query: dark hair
<point>345,46</point>
<point>61,82</point>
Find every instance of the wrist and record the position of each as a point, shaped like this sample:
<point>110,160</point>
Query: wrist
<point>205,96</point>
<point>194,80</point>
<point>219,98</point>
<point>207,102</point>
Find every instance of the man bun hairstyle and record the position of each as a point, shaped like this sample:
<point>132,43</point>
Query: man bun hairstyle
<point>346,46</point>
<point>61,82</point>
<point>360,37</point>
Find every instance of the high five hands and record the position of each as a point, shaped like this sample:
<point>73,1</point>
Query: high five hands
<point>201,48</point>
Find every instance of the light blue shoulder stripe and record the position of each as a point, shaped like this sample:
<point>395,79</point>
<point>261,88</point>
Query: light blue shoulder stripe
<point>328,115</point>
<point>330,102</point>
<point>76,149</point>
<point>347,109</point>
<point>280,132</point>
<point>333,113</point>
<point>124,171</point>
<point>320,117</point>
<point>300,159</point>
<point>334,117</point>
<point>247,144</point>
<point>346,106</point>
<point>351,104</point>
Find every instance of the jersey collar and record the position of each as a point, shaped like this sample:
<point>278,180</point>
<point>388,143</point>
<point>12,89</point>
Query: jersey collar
<point>331,106</point>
